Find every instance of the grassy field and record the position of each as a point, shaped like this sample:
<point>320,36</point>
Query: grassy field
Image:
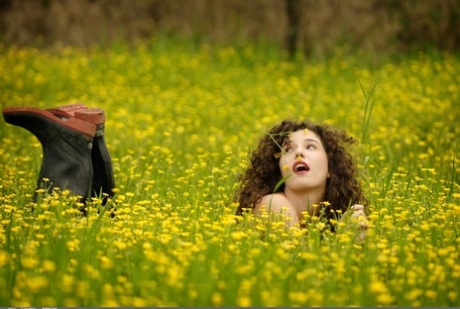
<point>182,120</point>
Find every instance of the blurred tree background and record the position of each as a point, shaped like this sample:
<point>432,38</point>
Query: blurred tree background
<point>313,28</point>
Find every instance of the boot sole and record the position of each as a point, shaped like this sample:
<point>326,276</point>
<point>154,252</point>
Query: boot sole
<point>80,111</point>
<point>81,126</point>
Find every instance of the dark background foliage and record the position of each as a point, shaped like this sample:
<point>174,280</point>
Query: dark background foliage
<point>307,27</point>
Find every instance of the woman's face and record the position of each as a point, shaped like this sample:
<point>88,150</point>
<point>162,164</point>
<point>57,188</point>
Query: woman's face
<point>304,160</point>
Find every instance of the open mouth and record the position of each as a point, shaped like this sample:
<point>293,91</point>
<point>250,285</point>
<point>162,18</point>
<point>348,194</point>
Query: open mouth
<point>300,167</point>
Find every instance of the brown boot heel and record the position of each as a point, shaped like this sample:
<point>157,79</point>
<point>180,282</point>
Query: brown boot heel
<point>21,114</point>
<point>80,111</point>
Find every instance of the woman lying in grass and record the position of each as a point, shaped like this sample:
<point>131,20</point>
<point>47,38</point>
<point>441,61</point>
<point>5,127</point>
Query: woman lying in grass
<point>298,168</point>
<point>302,168</point>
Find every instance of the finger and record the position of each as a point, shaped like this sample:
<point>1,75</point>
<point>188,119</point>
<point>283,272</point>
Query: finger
<point>358,213</point>
<point>357,207</point>
<point>363,225</point>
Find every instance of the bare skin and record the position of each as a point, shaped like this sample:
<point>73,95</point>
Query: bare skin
<point>304,166</point>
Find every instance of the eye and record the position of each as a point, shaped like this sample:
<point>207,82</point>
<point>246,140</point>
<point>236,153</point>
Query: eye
<point>288,148</point>
<point>310,146</point>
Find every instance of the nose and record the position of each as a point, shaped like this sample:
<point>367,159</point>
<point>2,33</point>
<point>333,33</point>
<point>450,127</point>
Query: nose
<point>299,154</point>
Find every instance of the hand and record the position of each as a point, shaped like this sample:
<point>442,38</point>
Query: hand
<point>359,216</point>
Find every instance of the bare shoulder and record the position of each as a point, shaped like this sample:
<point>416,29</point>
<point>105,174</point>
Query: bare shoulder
<point>279,204</point>
<point>275,202</point>
<point>275,199</point>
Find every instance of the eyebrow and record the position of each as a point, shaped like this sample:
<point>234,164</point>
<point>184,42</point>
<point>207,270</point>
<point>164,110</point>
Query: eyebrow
<point>289,141</point>
<point>311,140</point>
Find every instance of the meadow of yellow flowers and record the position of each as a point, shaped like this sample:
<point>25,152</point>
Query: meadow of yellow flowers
<point>182,120</point>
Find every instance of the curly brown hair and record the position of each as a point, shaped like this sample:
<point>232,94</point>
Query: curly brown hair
<point>263,174</point>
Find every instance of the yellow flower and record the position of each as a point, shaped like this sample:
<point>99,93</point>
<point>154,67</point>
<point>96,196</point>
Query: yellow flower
<point>378,287</point>
<point>217,299</point>
<point>48,266</point>
<point>29,262</point>
<point>35,284</point>
<point>106,263</point>
<point>244,301</point>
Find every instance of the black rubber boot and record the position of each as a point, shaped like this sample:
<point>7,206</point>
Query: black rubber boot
<point>103,178</point>
<point>103,181</point>
<point>66,144</point>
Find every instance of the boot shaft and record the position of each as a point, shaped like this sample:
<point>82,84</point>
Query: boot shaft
<point>66,144</point>
<point>103,177</point>
<point>66,163</point>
